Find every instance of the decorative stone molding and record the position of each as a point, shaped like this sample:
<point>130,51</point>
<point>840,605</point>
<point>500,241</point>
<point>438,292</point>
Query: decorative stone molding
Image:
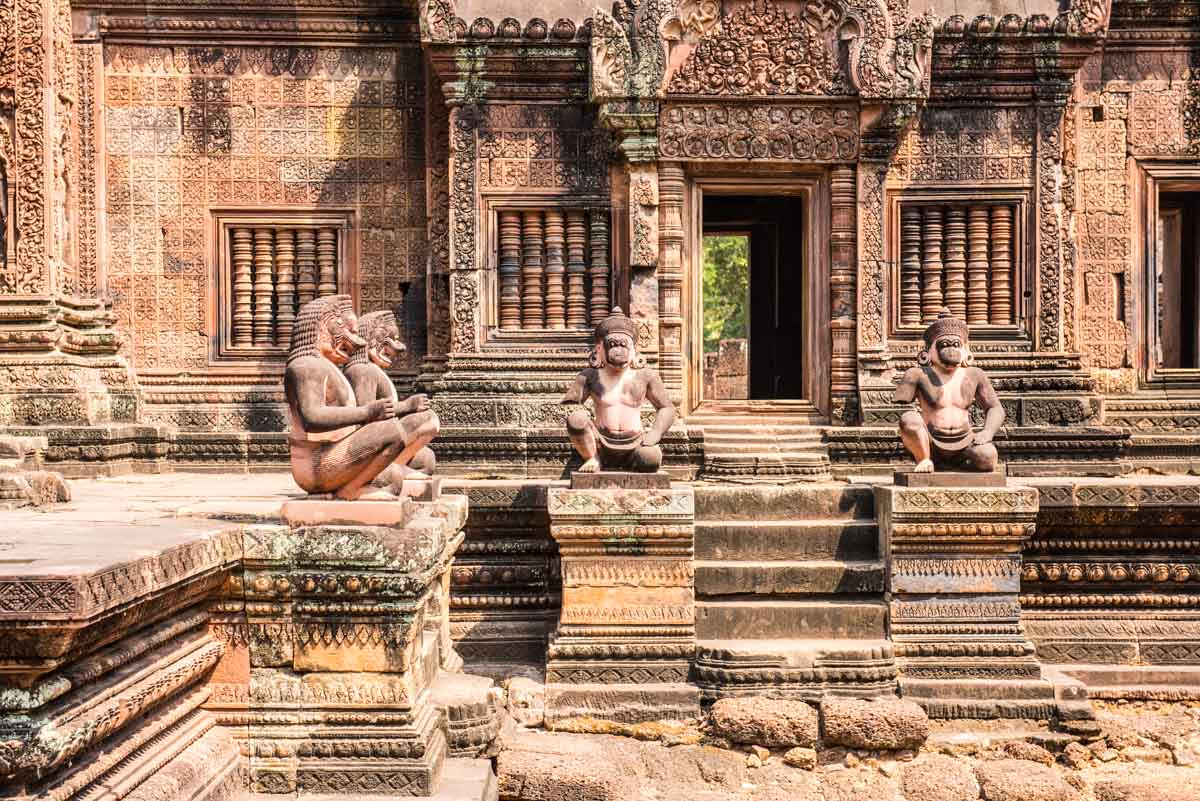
<point>803,134</point>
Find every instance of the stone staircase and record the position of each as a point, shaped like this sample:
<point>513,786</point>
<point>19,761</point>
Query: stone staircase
<point>789,592</point>
<point>778,447</point>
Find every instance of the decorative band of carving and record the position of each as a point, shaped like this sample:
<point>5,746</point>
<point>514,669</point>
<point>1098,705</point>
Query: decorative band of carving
<point>668,614</point>
<point>628,573</point>
<point>1096,572</point>
<point>762,132</point>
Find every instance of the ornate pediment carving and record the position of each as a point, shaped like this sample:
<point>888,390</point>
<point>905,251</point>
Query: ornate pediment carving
<point>763,49</point>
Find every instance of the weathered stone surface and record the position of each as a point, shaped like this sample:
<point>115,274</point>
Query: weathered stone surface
<point>1020,780</point>
<point>803,758</point>
<point>1146,783</point>
<point>858,785</point>
<point>883,724</point>
<point>938,778</point>
<point>764,721</point>
<point>1020,749</point>
<point>533,776</point>
<point>526,700</point>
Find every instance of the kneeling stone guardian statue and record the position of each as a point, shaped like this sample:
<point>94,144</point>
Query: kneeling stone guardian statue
<point>945,385</point>
<point>337,444</point>
<point>618,382</point>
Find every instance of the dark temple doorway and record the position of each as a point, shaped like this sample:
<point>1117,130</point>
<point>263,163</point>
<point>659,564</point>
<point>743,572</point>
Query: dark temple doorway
<point>753,290</point>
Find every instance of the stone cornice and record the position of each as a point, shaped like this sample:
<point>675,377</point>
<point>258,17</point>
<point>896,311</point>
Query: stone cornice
<point>192,27</point>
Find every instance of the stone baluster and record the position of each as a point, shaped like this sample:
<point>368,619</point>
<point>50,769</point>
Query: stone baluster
<point>306,264</point>
<point>327,262</point>
<point>956,261</point>
<point>556,296</point>
<point>285,289</point>
<point>931,266</point>
<point>533,306</point>
<point>598,272</point>
<point>910,265</point>
<point>264,263</point>
<point>577,311</point>
<point>1002,301</point>
<point>243,309</point>
<point>510,270</point>
<point>843,231</point>
<point>977,265</point>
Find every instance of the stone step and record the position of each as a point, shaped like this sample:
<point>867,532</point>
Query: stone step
<point>764,446</point>
<point>768,468</point>
<point>826,501</point>
<point>771,618</point>
<point>741,433</point>
<point>794,653</point>
<point>788,577</point>
<point>787,539</point>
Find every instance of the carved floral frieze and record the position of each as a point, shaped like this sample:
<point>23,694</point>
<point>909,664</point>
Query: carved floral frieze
<point>775,133</point>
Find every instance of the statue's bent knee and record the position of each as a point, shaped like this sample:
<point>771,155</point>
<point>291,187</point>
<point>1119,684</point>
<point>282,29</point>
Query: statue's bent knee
<point>424,425</point>
<point>911,422</point>
<point>578,422</point>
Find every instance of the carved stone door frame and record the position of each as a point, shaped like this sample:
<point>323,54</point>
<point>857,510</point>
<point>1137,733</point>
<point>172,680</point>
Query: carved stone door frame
<point>811,184</point>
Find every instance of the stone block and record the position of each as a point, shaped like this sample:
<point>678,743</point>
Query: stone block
<point>939,778</point>
<point>1019,780</point>
<point>733,357</point>
<point>951,478</point>
<point>764,721</point>
<point>324,512</point>
<point>533,776</point>
<point>878,725</point>
<point>616,480</point>
<point>625,702</point>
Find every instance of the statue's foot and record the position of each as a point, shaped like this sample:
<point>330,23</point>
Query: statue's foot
<point>590,466</point>
<point>924,466</point>
<point>374,494</point>
<point>377,495</point>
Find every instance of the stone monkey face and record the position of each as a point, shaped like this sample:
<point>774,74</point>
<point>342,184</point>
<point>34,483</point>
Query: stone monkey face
<point>950,350</point>
<point>618,350</point>
<point>338,338</point>
<point>387,347</point>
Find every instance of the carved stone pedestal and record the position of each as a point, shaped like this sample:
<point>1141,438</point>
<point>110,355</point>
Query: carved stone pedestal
<point>627,633</point>
<point>347,631</point>
<point>953,574</point>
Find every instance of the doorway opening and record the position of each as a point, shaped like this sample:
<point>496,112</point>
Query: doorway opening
<point>753,297</point>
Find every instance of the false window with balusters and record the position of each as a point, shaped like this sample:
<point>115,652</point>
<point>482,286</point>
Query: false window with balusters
<point>269,265</point>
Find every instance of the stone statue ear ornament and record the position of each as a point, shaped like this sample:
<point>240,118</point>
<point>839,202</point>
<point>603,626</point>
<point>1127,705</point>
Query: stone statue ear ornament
<point>596,357</point>
<point>923,358</point>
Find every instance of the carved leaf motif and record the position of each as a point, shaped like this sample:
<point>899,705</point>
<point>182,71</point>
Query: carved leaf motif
<point>761,50</point>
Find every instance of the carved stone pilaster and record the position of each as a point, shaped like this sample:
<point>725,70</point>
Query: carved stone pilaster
<point>880,139</point>
<point>1051,108</point>
<point>670,277</point>
<point>465,297</point>
<point>843,395</point>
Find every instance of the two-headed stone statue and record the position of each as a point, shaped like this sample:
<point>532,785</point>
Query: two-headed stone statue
<point>945,385</point>
<point>618,382</point>
<point>339,445</point>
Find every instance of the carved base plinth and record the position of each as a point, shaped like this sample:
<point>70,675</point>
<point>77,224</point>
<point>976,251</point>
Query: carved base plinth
<point>953,574</point>
<point>346,631</point>
<point>628,621</point>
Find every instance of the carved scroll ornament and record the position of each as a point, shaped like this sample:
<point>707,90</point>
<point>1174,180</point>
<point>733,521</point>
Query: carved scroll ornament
<point>779,133</point>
